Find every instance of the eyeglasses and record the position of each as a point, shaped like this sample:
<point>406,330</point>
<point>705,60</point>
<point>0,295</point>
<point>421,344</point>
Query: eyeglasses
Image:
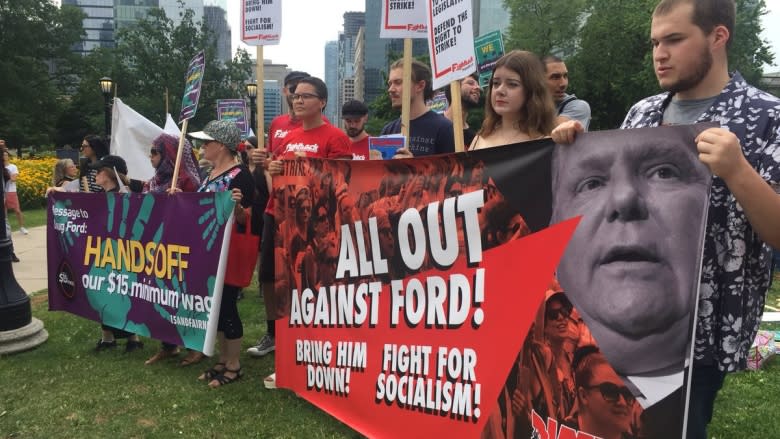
<point>553,313</point>
<point>611,392</point>
<point>304,96</point>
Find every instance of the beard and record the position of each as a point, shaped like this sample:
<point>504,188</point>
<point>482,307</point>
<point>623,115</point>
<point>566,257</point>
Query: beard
<point>468,103</point>
<point>691,80</point>
<point>354,132</point>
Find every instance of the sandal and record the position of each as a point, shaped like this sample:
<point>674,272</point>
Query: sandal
<point>222,379</point>
<point>212,372</point>
<point>193,357</point>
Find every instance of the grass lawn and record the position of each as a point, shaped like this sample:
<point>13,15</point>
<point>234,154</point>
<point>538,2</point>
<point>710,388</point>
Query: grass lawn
<point>747,406</point>
<point>64,389</point>
<point>32,218</point>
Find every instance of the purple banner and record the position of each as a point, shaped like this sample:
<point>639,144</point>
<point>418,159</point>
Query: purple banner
<point>134,262</point>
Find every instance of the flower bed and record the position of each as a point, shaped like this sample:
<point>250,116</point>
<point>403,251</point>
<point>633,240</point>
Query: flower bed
<point>34,177</point>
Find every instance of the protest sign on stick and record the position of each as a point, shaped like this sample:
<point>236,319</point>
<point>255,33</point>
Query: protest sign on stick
<point>488,48</point>
<point>234,110</point>
<point>451,46</point>
<point>404,19</point>
<point>189,105</point>
<point>261,24</point>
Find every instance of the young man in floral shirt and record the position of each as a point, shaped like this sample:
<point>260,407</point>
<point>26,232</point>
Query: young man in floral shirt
<point>690,56</point>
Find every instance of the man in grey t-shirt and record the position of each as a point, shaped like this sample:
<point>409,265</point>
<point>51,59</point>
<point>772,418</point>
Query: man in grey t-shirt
<point>569,106</point>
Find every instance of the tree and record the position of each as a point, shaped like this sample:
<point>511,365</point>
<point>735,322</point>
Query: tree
<point>150,57</point>
<point>748,52</point>
<point>613,66</point>
<point>153,56</point>
<point>36,62</point>
<point>544,26</point>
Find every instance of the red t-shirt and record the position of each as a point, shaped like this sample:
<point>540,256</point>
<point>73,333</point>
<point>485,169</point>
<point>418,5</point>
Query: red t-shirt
<point>325,141</point>
<point>281,126</point>
<point>360,149</point>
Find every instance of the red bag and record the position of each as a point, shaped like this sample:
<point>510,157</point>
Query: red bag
<point>242,257</point>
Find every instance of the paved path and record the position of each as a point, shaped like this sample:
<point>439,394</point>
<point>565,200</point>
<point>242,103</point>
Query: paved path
<point>31,250</point>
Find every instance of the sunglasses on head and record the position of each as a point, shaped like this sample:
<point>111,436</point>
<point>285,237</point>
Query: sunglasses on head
<point>611,392</point>
<point>553,313</point>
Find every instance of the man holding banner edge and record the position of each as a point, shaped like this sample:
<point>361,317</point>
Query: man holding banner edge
<point>745,206</point>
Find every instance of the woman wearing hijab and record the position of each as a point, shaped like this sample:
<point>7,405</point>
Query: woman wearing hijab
<point>163,158</point>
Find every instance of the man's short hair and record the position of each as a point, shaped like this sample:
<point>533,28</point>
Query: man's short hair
<point>319,86</point>
<point>448,91</point>
<point>353,108</point>
<point>706,14</point>
<point>295,76</point>
<point>420,72</point>
<point>549,59</point>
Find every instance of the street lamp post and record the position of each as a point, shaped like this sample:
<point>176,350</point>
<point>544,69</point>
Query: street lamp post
<point>19,331</point>
<point>251,92</point>
<point>105,86</point>
<point>15,310</point>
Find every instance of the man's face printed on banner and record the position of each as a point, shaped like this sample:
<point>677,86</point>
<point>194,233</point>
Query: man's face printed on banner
<point>632,261</point>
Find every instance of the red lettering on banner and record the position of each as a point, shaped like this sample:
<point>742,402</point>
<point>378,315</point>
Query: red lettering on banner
<point>550,431</point>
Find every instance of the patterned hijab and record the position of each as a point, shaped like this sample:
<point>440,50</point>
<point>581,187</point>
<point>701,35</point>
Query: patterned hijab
<point>167,145</point>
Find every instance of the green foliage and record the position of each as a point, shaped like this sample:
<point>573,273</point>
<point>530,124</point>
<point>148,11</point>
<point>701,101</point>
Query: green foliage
<point>609,41</point>
<point>544,26</point>
<point>35,37</point>
<point>613,68</point>
<point>748,52</point>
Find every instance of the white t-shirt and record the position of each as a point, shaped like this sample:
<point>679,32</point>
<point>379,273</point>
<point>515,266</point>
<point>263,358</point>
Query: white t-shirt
<point>10,186</point>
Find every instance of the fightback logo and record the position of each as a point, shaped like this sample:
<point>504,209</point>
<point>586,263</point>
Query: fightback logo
<point>66,280</point>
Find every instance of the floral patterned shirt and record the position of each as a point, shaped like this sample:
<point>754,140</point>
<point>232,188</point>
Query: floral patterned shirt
<point>736,263</point>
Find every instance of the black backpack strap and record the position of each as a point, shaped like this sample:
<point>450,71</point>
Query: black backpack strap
<point>566,102</point>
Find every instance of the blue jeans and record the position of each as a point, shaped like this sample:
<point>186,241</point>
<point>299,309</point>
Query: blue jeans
<point>705,384</point>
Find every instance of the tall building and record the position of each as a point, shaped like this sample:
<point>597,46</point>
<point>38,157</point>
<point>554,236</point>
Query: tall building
<point>272,101</point>
<point>332,80</point>
<point>105,17</point>
<point>349,40</point>
<point>216,20</point>
<point>273,72</point>
<point>98,25</point>
<point>127,12</point>
<point>489,15</point>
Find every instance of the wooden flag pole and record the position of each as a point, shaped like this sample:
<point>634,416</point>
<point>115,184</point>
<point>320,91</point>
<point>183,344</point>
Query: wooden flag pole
<point>260,98</point>
<point>457,115</point>
<point>406,90</point>
<point>178,156</point>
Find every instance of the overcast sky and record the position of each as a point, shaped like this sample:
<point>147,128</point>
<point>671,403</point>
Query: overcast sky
<point>308,24</point>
